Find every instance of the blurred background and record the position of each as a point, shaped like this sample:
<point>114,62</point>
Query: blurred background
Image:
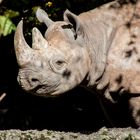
<point>77,110</point>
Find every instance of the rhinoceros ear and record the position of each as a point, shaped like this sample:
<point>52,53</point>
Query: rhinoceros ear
<point>74,20</point>
<point>42,16</point>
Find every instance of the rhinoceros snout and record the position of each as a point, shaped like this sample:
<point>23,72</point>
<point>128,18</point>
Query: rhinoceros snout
<point>28,81</point>
<point>35,82</point>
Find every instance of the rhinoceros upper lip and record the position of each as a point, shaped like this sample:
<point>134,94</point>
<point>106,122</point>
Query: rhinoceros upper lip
<point>44,89</point>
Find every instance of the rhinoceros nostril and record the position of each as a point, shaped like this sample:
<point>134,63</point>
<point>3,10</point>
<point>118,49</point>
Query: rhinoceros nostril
<point>34,80</point>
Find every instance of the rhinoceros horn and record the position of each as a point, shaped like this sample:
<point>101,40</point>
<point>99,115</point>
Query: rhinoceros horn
<point>42,16</point>
<point>24,52</point>
<point>22,49</point>
<point>38,41</point>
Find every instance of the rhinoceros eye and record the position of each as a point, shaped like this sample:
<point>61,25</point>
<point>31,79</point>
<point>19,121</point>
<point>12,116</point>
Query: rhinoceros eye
<point>58,65</point>
<point>60,62</point>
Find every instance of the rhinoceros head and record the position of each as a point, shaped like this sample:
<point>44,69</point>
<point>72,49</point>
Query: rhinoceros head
<point>55,63</point>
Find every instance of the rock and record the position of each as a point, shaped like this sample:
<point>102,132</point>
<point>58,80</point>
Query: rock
<point>102,134</point>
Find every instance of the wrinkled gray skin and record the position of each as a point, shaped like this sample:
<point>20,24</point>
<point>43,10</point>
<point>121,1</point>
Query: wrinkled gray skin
<point>99,47</point>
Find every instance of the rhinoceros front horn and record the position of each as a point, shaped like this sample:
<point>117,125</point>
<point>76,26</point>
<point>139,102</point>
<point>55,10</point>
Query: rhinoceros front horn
<point>22,49</point>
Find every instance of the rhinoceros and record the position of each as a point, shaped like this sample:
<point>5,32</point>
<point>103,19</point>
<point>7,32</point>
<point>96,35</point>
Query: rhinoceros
<point>98,49</point>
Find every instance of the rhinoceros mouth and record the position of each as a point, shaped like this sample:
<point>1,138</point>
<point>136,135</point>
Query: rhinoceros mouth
<point>45,89</point>
<point>42,90</point>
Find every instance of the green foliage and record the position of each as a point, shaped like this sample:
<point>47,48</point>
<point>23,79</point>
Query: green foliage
<point>11,13</point>
<point>9,17</point>
<point>6,26</point>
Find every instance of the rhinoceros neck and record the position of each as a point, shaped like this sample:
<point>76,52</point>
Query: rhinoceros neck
<point>98,35</point>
